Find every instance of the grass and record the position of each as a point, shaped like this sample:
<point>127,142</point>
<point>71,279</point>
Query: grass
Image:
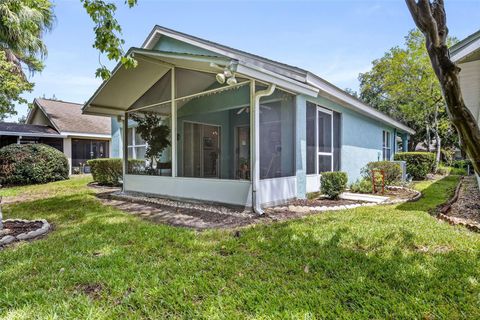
<point>375,262</point>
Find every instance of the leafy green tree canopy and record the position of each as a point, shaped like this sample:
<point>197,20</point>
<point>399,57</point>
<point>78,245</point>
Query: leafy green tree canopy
<point>403,85</point>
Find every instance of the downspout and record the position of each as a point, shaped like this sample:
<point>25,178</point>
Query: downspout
<point>256,96</point>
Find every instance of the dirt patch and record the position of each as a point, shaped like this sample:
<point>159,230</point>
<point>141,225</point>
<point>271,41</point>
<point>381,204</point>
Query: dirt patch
<point>92,290</point>
<point>16,228</point>
<point>467,206</point>
<point>400,193</point>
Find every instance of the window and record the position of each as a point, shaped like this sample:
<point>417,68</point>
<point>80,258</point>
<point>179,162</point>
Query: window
<point>136,145</point>
<point>323,139</point>
<point>277,134</point>
<point>387,141</point>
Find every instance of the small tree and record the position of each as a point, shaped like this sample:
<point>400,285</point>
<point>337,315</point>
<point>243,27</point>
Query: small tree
<point>151,128</point>
<point>431,19</point>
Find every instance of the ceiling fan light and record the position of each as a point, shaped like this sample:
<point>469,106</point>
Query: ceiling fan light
<point>220,78</point>
<point>231,81</point>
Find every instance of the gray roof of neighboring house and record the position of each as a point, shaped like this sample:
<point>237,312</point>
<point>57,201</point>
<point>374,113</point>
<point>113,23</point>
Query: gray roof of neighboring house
<point>68,117</point>
<point>466,50</point>
<point>26,128</point>
<point>465,42</point>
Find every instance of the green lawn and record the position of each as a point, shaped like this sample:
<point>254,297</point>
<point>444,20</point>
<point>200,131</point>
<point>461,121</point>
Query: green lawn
<point>375,262</point>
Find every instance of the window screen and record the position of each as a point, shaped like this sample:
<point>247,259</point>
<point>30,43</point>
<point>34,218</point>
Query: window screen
<point>277,134</point>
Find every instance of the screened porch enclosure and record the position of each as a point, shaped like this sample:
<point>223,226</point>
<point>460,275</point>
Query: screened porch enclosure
<point>212,125</point>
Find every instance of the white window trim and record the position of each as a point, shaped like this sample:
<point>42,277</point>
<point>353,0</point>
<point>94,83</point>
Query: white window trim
<point>386,145</point>
<point>134,146</point>
<point>318,153</point>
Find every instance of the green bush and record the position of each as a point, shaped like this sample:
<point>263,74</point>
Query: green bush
<point>362,186</point>
<point>136,166</point>
<point>106,171</point>
<point>31,163</point>
<point>392,170</point>
<point>333,183</point>
<point>419,164</point>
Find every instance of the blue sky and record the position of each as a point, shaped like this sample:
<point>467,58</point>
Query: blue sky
<point>334,39</point>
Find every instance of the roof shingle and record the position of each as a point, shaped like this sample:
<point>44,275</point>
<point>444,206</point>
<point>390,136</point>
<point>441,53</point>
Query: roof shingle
<point>68,117</point>
<point>26,128</point>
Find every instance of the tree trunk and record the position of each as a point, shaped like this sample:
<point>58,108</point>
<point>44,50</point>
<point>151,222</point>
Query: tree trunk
<point>430,18</point>
<point>428,138</point>
<point>437,139</point>
<point>1,215</point>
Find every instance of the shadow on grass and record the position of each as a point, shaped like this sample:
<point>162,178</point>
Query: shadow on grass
<point>316,266</point>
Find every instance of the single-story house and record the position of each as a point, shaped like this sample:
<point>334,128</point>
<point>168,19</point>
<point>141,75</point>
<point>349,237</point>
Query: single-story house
<point>243,129</point>
<point>466,54</point>
<point>62,125</point>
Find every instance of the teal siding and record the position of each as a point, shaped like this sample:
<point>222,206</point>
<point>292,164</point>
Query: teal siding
<point>362,138</point>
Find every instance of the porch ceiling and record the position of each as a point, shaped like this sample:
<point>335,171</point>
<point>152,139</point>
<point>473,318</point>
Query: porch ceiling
<point>126,86</point>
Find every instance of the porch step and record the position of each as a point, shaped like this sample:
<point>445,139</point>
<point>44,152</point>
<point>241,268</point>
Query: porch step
<point>363,197</point>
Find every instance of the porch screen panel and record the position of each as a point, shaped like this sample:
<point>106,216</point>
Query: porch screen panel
<point>149,130</point>
<point>277,134</point>
<point>311,137</point>
<point>213,140</point>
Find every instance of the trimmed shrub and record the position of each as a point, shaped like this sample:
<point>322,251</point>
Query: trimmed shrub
<point>419,164</point>
<point>333,183</point>
<point>106,171</point>
<point>392,170</point>
<point>136,166</point>
<point>362,186</point>
<point>31,163</point>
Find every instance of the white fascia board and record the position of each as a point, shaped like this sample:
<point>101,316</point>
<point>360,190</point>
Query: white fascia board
<point>94,110</point>
<point>466,51</point>
<point>232,53</point>
<point>31,134</point>
<point>357,105</point>
<point>281,81</point>
<point>87,135</point>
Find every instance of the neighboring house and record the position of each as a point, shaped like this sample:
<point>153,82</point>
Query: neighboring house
<point>466,54</point>
<point>247,130</point>
<point>63,126</point>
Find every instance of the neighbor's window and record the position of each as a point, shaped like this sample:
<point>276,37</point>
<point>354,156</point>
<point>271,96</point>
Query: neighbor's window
<point>136,145</point>
<point>386,145</point>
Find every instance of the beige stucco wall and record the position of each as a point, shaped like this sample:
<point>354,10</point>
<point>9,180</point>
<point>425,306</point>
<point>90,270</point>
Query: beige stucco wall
<point>470,84</point>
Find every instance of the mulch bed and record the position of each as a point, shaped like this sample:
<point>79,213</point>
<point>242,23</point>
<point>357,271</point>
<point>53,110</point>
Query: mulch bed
<point>16,228</point>
<point>464,208</point>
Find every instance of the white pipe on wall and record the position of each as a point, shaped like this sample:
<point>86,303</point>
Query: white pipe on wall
<point>255,133</point>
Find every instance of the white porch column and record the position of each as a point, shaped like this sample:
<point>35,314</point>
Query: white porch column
<point>174,124</point>
<point>254,145</point>
<point>301,145</point>
<point>125,148</point>
<point>67,150</point>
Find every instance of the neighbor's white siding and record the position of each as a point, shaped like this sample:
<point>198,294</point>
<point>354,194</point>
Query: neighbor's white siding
<point>470,84</point>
